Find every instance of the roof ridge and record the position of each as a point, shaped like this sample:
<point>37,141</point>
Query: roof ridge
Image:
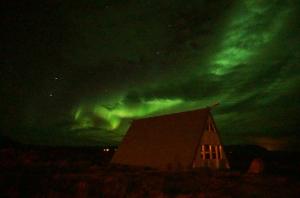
<point>174,114</point>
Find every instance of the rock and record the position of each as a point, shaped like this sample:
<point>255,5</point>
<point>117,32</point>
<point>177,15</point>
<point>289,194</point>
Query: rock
<point>256,166</point>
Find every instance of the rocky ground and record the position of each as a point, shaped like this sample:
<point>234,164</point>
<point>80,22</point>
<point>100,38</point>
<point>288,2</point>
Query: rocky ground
<point>98,181</point>
<point>32,174</point>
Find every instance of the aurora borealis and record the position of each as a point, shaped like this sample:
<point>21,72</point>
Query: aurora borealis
<point>78,73</point>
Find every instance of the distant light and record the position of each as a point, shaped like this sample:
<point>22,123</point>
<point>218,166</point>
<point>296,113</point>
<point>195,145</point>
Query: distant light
<point>51,94</point>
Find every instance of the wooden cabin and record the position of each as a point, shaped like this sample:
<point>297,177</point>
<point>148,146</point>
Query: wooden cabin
<point>184,140</point>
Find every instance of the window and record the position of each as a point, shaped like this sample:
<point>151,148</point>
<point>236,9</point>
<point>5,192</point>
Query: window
<point>214,155</point>
<point>211,152</point>
<point>207,156</point>
<point>205,151</point>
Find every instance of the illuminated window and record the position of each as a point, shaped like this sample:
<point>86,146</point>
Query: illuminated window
<point>211,152</point>
<point>205,151</point>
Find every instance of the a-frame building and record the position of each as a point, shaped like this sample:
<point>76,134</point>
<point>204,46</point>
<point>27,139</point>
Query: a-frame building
<point>182,140</point>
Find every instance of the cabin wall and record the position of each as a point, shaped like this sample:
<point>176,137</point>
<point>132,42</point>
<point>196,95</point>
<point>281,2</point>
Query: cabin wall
<point>210,137</point>
<point>210,152</point>
<point>171,142</point>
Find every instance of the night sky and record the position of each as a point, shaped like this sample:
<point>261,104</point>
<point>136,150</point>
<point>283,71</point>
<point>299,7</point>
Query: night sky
<point>77,73</point>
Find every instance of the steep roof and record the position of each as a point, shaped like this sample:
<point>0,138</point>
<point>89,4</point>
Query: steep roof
<point>163,140</point>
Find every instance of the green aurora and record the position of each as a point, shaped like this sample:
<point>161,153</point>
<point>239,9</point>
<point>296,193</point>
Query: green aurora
<point>239,45</point>
<point>123,61</point>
